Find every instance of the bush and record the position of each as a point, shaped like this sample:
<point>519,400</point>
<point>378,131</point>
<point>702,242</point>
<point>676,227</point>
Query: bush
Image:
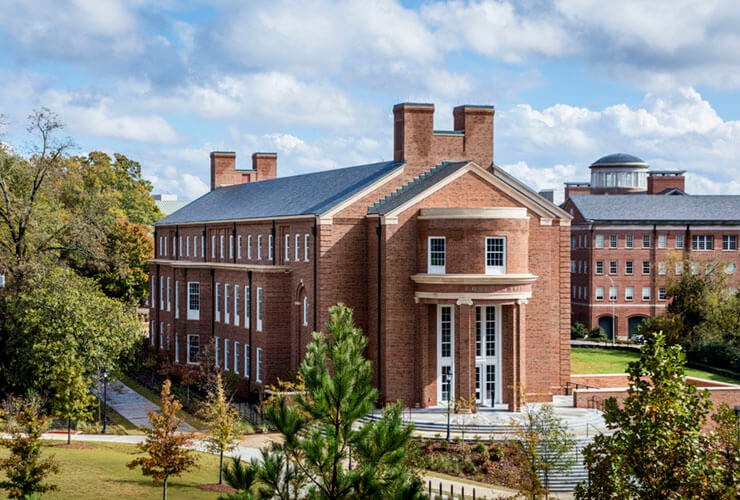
<point>578,331</point>
<point>597,333</point>
<point>718,355</point>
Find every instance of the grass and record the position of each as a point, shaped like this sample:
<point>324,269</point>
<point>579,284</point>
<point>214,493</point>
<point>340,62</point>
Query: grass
<point>154,398</point>
<point>595,360</point>
<point>102,473</point>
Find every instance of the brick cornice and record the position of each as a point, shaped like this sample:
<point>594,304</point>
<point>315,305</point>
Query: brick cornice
<point>221,265</point>
<point>475,279</point>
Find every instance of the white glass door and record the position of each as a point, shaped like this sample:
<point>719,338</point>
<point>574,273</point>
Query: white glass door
<point>487,359</point>
<point>445,355</point>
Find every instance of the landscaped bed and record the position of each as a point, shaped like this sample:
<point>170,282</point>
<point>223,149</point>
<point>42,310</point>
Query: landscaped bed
<point>101,472</point>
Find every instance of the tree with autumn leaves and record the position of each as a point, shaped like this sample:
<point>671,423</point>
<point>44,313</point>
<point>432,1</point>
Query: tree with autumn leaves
<point>223,423</point>
<point>166,448</point>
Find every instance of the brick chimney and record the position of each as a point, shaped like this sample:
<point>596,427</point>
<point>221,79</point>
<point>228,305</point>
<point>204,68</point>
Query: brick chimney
<point>223,169</point>
<point>477,124</point>
<point>412,131</point>
<point>264,165</point>
<point>660,180</point>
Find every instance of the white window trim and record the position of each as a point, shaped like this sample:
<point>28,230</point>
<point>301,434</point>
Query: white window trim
<point>237,353</point>
<point>226,354</point>
<point>629,297</point>
<point>259,364</point>
<point>247,306</point>
<point>161,293</point>
<point>221,244</point>
<point>297,247</point>
<point>177,348</point>
<point>247,361</point>
<point>177,299</point>
<point>495,269</point>
<point>599,241</point>
<point>179,252</point>
<point>249,247</point>
<point>305,311</point>
<point>306,242</point>
<point>193,314</point>
<point>270,248</point>
<point>237,289</point>
<point>187,354</point>
<point>218,302</point>
<point>218,350</point>
<point>231,246</point>
<point>169,302</point>
<point>287,247</point>
<point>648,293</point>
<point>436,269</point>
<point>227,303</point>
<point>451,363</point>
<point>259,309</point>
<point>259,247</point>
<point>596,293</point>
<point>187,246</point>
<point>213,246</point>
<point>239,247</point>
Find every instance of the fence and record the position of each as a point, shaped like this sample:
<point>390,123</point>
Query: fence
<point>442,492</point>
<point>250,413</point>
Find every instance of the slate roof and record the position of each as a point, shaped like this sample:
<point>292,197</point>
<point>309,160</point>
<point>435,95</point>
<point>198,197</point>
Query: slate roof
<point>308,194</point>
<point>644,208</point>
<point>414,187</point>
<point>617,158</point>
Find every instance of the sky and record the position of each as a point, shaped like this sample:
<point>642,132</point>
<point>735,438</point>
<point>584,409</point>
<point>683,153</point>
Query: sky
<point>166,82</point>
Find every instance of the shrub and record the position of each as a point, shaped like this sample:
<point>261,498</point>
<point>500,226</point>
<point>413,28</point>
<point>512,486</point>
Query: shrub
<point>598,333</point>
<point>717,354</point>
<point>479,448</point>
<point>578,331</point>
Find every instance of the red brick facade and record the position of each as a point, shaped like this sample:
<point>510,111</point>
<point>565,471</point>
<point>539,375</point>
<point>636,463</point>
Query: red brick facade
<point>515,287</point>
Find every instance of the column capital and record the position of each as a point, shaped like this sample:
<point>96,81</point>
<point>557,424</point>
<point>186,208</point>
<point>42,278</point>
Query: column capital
<point>464,301</point>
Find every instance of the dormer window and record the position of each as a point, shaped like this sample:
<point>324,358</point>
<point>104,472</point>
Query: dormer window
<point>436,260</point>
<point>496,255</point>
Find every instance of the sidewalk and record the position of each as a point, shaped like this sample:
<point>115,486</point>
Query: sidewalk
<point>133,406</point>
<point>482,491</point>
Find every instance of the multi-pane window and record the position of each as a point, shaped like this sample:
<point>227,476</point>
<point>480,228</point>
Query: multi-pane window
<point>599,267</point>
<point>612,293</point>
<point>227,344</point>
<point>236,304</point>
<point>646,293</point>
<point>218,301</point>
<point>446,372</point>
<point>662,240</point>
<point>213,246</point>
<point>729,242</point>
<point>259,247</point>
<point>679,241</point>
<point>177,299</point>
<point>572,266</point>
<point>599,293</point>
<point>179,251</point>
<point>612,241</point>
<point>305,247</point>
<point>702,242</point>
<point>662,268</point>
<point>612,267</point>
<point>287,247</point>
<point>629,241</point>
<point>679,267</point>
<point>177,348</point>
<point>259,364</point>
<point>221,246</point>
<point>161,334</point>
<point>297,247</point>
<point>227,299</point>
<point>202,246</point>
<point>645,241</point>
<point>161,292</point>
<point>218,350</point>
<point>628,267</point>
<point>237,353</point>
<point>193,300</point>
<point>239,247</point>
<point>490,329</point>
<point>599,241</point>
<point>645,267</point>
<point>436,255</point>
<point>496,255</point>
<point>694,267</point>
<point>247,360</point>
<point>259,309</point>
<point>478,341</point>
<point>187,246</point>
<point>629,293</point>
<point>270,247</point>
<point>247,307</point>
<point>490,380</point>
<point>305,311</point>
<point>193,348</point>
<point>445,325</point>
<point>249,247</point>
<point>169,303</point>
<point>661,293</point>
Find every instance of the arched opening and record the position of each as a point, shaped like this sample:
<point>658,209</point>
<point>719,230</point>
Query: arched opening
<point>298,348</point>
<point>633,323</point>
<point>605,322</point>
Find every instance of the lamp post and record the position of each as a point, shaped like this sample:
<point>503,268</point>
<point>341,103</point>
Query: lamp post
<point>447,380</point>
<point>105,399</point>
<point>613,299</point>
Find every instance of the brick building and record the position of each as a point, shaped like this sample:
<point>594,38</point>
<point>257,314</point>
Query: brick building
<point>457,273</point>
<point>632,229</point>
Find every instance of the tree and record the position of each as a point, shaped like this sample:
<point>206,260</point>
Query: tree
<point>657,449</point>
<point>223,423</point>
<point>166,449</point>
<point>241,476</point>
<point>24,469</point>
<point>726,446</point>
<point>71,397</point>
<point>546,447</point>
<point>320,427</point>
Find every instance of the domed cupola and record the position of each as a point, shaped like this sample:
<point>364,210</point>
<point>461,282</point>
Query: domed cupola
<point>619,173</point>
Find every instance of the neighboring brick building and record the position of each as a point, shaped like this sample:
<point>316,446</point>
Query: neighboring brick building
<point>450,264</point>
<point>637,227</point>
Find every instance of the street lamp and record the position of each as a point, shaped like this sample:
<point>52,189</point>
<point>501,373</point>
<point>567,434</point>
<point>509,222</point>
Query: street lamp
<point>105,399</point>
<point>447,380</point>
<point>613,299</point>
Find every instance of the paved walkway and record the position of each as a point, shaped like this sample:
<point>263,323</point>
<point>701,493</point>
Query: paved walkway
<point>133,406</point>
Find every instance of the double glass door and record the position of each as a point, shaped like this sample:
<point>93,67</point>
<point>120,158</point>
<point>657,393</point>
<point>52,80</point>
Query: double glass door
<point>487,343</point>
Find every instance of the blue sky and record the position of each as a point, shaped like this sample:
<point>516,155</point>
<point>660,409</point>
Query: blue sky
<point>167,82</point>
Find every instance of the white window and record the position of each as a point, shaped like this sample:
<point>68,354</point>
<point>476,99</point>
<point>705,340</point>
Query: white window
<point>227,302</point>
<point>193,300</point>
<point>161,334</point>
<point>247,307</point>
<point>177,299</point>
<point>169,303</point>
<point>287,247</point>
<point>179,251</point>
<point>174,247</point>
<point>629,293</point>
<point>237,288</point>
<point>247,361</point>
<point>239,247</point>
<point>151,332</point>
<point>612,267</point>
<point>269,247</point>
<point>259,247</point>
<point>202,246</point>
<point>679,267</point>
<point>177,348</point>
<point>662,268</point>
<point>599,241</point>
<point>496,255</point>
<point>305,311</point>
<point>679,241</point>
<point>305,247</point>
<point>628,267</point>
<point>694,268</point>
<point>193,349</point>
<point>599,293</point>
<point>249,247</point>
<point>729,242</point>
<point>161,292</point>
<point>645,267</point>
<point>226,354</point>
<point>237,353</point>
<point>436,255</point>
<point>213,247</point>
<point>221,243</point>
<point>187,246</point>
<point>218,351</point>
<point>612,293</point>
<point>160,246</point>
<point>599,267</point>
<point>661,293</point>
<point>259,364</point>
<point>662,240</point>
<point>645,241</point>
<point>297,247</point>
<point>259,309</point>
<point>165,245</point>
<point>218,301</point>
<point>231,246</point>
<point>702,242</point>
<point>628,241</point>
<point>612,241</point>
<point>646,293</point>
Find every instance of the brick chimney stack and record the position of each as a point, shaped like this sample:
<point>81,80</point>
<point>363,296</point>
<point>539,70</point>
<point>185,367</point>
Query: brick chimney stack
<point>477,124</point>
<point>660,180</point>
<point>223,169</point>
<point>264,165</point>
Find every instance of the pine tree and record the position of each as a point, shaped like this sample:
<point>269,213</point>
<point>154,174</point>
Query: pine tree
<point>223,423</point>
<point>165,447</point>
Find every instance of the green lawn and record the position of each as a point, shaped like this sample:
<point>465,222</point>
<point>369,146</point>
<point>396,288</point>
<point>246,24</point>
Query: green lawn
<point>102,473</point>
<point>595,360</point>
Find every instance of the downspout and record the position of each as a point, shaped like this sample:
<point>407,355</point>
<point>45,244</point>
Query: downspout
<point>251,324</point>
<point>315,272</point>
<point>156,246</point>
<point>379,232</point>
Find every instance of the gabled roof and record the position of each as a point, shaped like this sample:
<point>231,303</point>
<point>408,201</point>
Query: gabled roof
<point>308,194</point>
<point>658,208</point>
